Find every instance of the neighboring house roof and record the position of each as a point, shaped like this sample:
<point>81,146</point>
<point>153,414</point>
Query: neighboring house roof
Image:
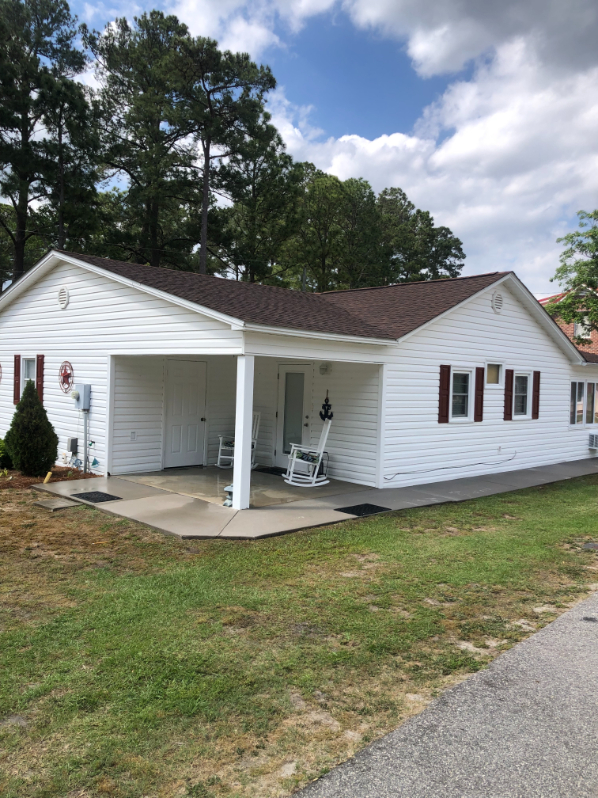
<point>386,312</point>
<point>590,357</point>
<point>553,298</point>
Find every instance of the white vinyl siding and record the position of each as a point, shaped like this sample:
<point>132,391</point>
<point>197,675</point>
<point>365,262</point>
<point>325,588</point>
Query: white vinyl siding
<point>418,449</point>
<point>103,317</point>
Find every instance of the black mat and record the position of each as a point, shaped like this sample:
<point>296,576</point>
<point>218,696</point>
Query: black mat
<point>271,470</point>
<point>96,496</point>
<point>362,510</point>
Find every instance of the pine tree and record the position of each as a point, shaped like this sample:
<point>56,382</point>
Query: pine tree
<point>31,440</point>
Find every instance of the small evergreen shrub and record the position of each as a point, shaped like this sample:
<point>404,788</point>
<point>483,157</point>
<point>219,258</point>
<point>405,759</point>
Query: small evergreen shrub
<point>31,440</point>
<point>5,458</point>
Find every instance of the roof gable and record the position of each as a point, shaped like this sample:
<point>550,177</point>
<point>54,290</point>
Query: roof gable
<point>404,307</point>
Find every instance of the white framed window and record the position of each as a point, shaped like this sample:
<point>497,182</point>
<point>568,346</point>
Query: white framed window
<point>494,374</point>
<point>583,405</point>
<point>461,395</point>
<point>521,398</point>
<point>582,330</point>
<point>27,371</point>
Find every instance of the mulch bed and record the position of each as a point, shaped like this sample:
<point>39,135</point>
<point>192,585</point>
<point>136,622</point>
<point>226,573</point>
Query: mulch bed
<point>16,480</point>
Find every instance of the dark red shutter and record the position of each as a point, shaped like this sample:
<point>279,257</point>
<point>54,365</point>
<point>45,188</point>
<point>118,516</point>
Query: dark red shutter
<point>536,396</point>
<point>444,394</point>
<point>17,380</point>
<point>509,376</point>
<point>478,408</point>
<point>39,377</point>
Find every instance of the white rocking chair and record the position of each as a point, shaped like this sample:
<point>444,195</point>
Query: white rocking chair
<point>226,447</point>
<point>310,459</point>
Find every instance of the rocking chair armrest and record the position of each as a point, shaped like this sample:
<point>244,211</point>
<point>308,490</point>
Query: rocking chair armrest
<point>306,449</point>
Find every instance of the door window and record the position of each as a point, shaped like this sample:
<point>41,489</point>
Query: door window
<point>292,431</point>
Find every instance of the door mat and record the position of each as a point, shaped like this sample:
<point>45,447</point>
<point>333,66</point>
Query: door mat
<point>362,510</point>
<point>96,496</point>
<point>271,470</point>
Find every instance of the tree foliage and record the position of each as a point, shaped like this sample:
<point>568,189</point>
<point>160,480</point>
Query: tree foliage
<point>578,275</point>
<point>173,161</point>
<point>38,53</point>
<point>31,441</point>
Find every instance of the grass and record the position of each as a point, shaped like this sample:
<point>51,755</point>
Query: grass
<point>133,664</point>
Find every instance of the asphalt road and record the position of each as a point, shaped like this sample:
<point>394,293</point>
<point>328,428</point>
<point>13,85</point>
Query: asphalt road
<point>527,727</point>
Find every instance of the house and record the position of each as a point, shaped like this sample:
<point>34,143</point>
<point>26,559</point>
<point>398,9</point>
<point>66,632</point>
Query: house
<point>427,381</point>
<point>575,330</point>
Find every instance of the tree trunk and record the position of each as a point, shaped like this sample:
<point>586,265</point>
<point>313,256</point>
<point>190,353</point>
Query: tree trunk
<point>153,221</point>
<point>61,231</point>
<point>203,246</point>
<point>21,232</point>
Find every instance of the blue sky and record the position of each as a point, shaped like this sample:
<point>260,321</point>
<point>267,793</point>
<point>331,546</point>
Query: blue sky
<point>357,81</point>
<point>485,114</point>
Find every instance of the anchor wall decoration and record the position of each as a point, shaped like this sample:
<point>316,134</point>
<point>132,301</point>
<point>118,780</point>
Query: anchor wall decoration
<point>325,413</point>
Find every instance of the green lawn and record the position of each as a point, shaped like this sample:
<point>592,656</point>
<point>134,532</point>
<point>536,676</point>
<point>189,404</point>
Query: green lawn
<point>133,664</point>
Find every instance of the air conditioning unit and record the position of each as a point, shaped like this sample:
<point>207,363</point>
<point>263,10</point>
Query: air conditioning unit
<point>593,442</point>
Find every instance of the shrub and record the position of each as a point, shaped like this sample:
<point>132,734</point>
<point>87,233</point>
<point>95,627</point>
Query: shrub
<point>5,458</point>
<point>31,440</point>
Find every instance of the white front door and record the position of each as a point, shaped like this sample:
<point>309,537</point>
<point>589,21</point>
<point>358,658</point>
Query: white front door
<point>294,410</point>
<point>185,409</point>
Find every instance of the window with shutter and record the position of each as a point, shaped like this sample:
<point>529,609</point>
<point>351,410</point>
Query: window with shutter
<point>444,394</point>
<point>478,411</point>
<point>17,380</point>
<point>509,375</point>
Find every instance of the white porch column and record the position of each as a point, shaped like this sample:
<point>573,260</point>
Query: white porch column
<point>243,424</point>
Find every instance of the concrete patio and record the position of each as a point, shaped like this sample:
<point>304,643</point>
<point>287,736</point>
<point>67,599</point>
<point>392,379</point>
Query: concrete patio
<point>177,510</point>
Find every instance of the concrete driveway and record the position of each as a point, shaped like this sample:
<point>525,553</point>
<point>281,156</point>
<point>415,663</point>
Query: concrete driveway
<point>527,727</point>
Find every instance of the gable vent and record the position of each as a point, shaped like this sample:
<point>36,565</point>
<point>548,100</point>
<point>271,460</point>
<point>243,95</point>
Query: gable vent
<point>497,302</point>
<point>63,297</point>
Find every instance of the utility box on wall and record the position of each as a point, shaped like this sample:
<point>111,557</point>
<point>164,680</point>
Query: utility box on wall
<point>82,396</point>
<point>72,445</point>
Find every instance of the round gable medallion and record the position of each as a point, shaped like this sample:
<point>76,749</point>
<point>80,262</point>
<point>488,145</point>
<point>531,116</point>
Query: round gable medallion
<point>63,297</point>
<point>497,302</point>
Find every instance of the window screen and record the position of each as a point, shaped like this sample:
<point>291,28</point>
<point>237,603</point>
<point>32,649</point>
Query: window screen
<point>576,408</point>
<point>28,370</point>
<point>460,399</point>
<point>520,397</point>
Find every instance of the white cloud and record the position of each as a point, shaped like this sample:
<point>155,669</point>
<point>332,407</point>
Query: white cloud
<point>520,157</point>
<point>505,157</point>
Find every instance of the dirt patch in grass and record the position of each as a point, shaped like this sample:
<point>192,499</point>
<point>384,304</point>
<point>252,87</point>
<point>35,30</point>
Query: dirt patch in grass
<point>133,664</point>
<point>14,480</point>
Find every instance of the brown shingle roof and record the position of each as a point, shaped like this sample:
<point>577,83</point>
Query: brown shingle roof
<point>386,313</point>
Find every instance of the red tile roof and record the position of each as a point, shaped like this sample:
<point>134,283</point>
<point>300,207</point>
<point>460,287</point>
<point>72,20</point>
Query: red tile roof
<point>385,313</point>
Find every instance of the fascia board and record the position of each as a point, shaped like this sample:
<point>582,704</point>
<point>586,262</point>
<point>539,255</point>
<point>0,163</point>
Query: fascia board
<point>545,319</point>
<point>261,328</point>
